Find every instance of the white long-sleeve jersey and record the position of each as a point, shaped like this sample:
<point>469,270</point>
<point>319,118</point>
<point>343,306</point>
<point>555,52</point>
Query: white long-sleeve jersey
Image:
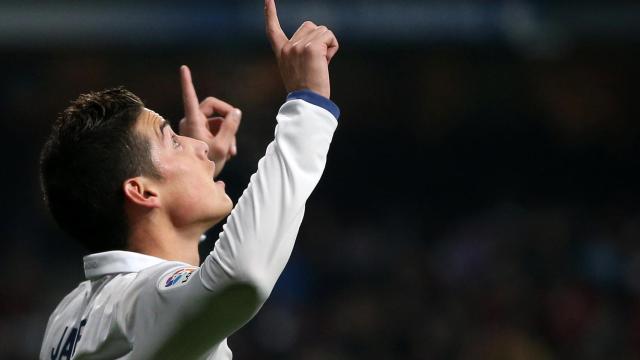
<point>134,306</point>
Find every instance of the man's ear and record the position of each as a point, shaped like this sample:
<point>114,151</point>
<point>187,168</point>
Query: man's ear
<point>140,191</point>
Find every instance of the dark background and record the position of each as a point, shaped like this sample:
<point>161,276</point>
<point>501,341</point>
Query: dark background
<point>480,199</point>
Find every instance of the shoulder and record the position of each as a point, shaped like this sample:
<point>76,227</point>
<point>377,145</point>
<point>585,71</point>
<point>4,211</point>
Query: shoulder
<point>145,289</point>
<point>72,299</point>
<point>163,276</point>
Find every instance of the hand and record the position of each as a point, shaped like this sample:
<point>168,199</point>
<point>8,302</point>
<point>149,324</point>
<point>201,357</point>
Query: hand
<point>304,59</point>
<point>200,122</point>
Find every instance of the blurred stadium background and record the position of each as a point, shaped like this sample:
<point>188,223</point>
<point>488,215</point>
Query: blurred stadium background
<point>481,199</point>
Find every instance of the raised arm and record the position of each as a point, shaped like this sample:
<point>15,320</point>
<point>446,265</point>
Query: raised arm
<point>259,235</point>
<point>260,232</point>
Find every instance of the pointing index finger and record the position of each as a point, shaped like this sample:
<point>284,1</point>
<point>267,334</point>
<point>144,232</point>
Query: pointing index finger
<point>275,34</point>
<point>189,97</point>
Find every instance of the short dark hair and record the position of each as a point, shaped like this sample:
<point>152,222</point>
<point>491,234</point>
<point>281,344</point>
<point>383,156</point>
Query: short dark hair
<point>93,148</point>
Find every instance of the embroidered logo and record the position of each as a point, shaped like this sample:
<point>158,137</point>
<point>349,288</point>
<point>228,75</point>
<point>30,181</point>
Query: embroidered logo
<point>176,278</point>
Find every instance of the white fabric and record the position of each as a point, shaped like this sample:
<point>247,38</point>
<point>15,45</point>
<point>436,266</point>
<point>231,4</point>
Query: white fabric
<point>114,262</point>
<point>124,310</point>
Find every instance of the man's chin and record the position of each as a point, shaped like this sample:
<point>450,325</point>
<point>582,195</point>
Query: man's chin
<point>222,211</point>
<point>229,204</point>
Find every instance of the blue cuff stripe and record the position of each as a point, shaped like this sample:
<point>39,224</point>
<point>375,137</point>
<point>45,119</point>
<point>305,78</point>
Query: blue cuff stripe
<point>315,99</point>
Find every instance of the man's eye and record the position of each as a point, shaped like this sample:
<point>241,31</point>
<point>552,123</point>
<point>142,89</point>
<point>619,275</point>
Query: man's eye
<point>174,140</point>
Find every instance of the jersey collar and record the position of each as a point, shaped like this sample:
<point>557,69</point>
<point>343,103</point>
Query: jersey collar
<point>117,261</point>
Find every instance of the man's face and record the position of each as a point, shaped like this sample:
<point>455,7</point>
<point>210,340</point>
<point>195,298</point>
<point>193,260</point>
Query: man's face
<point>187,191</point>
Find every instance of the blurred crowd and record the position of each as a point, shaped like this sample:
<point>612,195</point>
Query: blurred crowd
<point>477,203</point>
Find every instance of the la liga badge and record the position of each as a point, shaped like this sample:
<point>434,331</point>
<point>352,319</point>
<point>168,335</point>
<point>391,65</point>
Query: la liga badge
<point>176,278</point>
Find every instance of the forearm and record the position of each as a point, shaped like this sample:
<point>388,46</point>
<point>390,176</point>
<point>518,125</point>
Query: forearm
<point>259,235</point>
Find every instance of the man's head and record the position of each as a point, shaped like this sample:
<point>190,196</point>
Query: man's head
<point>186,193</point>
<point>103,150</point>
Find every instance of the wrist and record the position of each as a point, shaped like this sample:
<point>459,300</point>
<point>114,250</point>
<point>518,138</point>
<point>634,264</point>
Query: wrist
<point>315,98</point>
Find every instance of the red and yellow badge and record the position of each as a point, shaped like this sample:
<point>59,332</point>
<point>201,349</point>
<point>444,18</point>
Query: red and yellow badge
<point>176,278</point>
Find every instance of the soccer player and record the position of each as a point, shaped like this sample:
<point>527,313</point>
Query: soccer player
<point>118,179</point>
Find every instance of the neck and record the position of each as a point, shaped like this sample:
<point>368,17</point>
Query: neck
<point>155,235</point>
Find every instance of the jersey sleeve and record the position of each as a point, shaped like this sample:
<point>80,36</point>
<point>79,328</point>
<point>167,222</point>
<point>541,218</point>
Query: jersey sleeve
<point>174,302</point>
<point>259,235</point>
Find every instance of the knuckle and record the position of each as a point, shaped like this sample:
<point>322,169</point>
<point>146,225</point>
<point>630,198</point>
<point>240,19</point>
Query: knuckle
<point>310,48</point>
<point>308,24</point>
<point>294,49</point>
<point>322,28</point>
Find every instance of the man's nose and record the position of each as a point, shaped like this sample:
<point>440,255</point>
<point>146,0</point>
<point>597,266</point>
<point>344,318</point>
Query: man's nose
<point>202,149</point>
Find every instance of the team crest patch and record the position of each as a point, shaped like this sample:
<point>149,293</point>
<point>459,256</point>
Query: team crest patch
<point>176,278</point>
